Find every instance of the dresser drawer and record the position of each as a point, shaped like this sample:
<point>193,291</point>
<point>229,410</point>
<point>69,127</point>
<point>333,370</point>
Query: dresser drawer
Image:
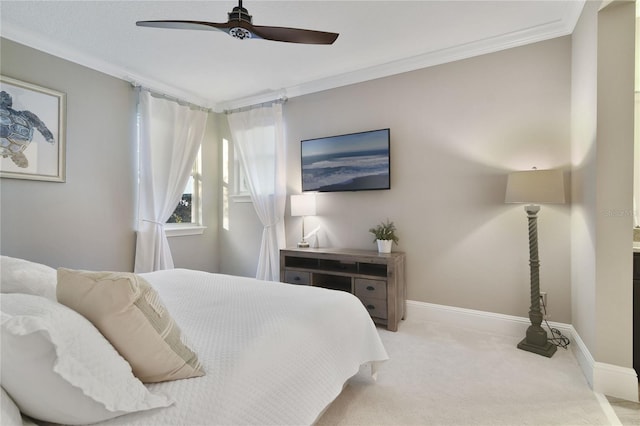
<point>377,307</point>
<point>370,288</point>
<point>297,277</point>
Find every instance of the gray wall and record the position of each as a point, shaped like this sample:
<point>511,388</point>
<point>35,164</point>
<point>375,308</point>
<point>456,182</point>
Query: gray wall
<point>614,188</point>
<point>88,221</point>
<point>602,144</point>
<point>457,130</point>
<point>584,176</point>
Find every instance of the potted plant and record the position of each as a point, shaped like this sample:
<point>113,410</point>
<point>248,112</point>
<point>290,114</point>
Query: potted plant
<point>385,234</point>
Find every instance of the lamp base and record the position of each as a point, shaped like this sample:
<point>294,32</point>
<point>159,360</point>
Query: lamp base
<point>536,342</point>
<point>303,244</point>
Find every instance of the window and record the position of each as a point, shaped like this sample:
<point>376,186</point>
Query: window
<point>225,184</point>
<point>241,184</point>
<point>186,219</point>
<point>235,189</point>
<point>262,158</point>
<point>184,211</point>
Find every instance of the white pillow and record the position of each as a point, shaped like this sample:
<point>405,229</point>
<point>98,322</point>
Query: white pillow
<point>9,412</point>
<point>58,368</point>
<point>22,276</point>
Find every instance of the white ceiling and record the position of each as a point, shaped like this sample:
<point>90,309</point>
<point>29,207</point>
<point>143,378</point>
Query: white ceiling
<point>377,38</point>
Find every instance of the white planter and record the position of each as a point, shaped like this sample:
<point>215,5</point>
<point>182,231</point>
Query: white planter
<point>384,246</point>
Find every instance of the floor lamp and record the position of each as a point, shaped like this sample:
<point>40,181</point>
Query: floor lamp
<point>535,187</point>
<point>303,205</point>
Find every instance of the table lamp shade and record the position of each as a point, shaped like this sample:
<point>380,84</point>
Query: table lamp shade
<point>535,187</point>
<point>303,205</point>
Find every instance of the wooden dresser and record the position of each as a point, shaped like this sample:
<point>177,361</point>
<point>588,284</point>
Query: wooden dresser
<point>377,279</point>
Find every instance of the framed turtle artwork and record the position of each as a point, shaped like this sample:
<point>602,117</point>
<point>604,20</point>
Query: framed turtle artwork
<point>32,131</point>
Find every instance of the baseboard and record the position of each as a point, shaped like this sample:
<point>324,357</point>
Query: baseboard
<point>612,380</point>
<point>608,379</point>
<point>490,322</point>
<point>584,357</point>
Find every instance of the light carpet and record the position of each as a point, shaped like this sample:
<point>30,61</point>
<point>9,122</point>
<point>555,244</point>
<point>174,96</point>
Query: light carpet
<point>444,375</point>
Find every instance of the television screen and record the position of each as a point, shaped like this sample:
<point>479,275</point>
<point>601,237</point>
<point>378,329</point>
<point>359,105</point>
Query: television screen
<point>353,162</point>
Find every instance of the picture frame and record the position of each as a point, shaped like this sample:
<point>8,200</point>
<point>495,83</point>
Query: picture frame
<point>32,131</point>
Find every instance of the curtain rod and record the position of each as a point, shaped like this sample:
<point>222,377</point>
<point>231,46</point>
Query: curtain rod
<point>280,100</point>
<point>170,98</point>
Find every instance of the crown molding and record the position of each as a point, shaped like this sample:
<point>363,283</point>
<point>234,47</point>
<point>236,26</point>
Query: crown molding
<point>546,31</point>
<point>263,98</point>
<point>14,33</point>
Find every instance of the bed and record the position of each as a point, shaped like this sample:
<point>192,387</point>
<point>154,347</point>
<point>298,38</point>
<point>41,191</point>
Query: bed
<point>272,353</point>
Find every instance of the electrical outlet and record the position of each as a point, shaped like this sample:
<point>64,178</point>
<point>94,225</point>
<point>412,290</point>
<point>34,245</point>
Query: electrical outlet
<point>543,298</point>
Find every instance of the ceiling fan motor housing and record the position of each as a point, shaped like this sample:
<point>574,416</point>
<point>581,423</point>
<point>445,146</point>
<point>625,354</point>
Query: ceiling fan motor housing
<point>239,14</point>
<point>240,33</point>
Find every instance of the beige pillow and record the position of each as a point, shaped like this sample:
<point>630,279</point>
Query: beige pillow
<point>129,313</point>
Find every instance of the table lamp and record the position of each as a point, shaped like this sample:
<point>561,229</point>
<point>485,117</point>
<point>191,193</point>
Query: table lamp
<point>303,205</point>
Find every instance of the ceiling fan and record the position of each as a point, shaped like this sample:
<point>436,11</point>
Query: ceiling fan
<point>240,26</point>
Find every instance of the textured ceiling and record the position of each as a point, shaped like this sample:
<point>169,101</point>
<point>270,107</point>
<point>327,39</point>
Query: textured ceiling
<point>377,38</point>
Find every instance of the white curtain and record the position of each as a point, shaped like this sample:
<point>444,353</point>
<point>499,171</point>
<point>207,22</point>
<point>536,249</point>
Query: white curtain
<point>258,136</point>
<point>170,135</point>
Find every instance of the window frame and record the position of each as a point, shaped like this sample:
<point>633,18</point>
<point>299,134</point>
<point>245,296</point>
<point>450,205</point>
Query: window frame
<point>195,227</point>
<point>240,186</point>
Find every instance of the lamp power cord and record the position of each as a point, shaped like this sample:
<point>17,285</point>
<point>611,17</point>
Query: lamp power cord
<point>557,338</point>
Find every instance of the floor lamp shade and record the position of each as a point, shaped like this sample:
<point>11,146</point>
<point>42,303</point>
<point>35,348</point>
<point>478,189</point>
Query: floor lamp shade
<point>303,205</point>
<point>535,187</point>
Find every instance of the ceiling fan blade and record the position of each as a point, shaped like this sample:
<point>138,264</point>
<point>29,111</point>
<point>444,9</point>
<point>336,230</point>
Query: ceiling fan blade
<point>183,25</point>
<point>293,35</point>
<point>240,26</point>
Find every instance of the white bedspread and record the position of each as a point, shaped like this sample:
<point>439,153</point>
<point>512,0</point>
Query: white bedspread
<point>274,354</point>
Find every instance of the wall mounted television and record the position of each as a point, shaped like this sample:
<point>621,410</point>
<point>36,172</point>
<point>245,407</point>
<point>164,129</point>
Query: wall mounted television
<point>351,162</point>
